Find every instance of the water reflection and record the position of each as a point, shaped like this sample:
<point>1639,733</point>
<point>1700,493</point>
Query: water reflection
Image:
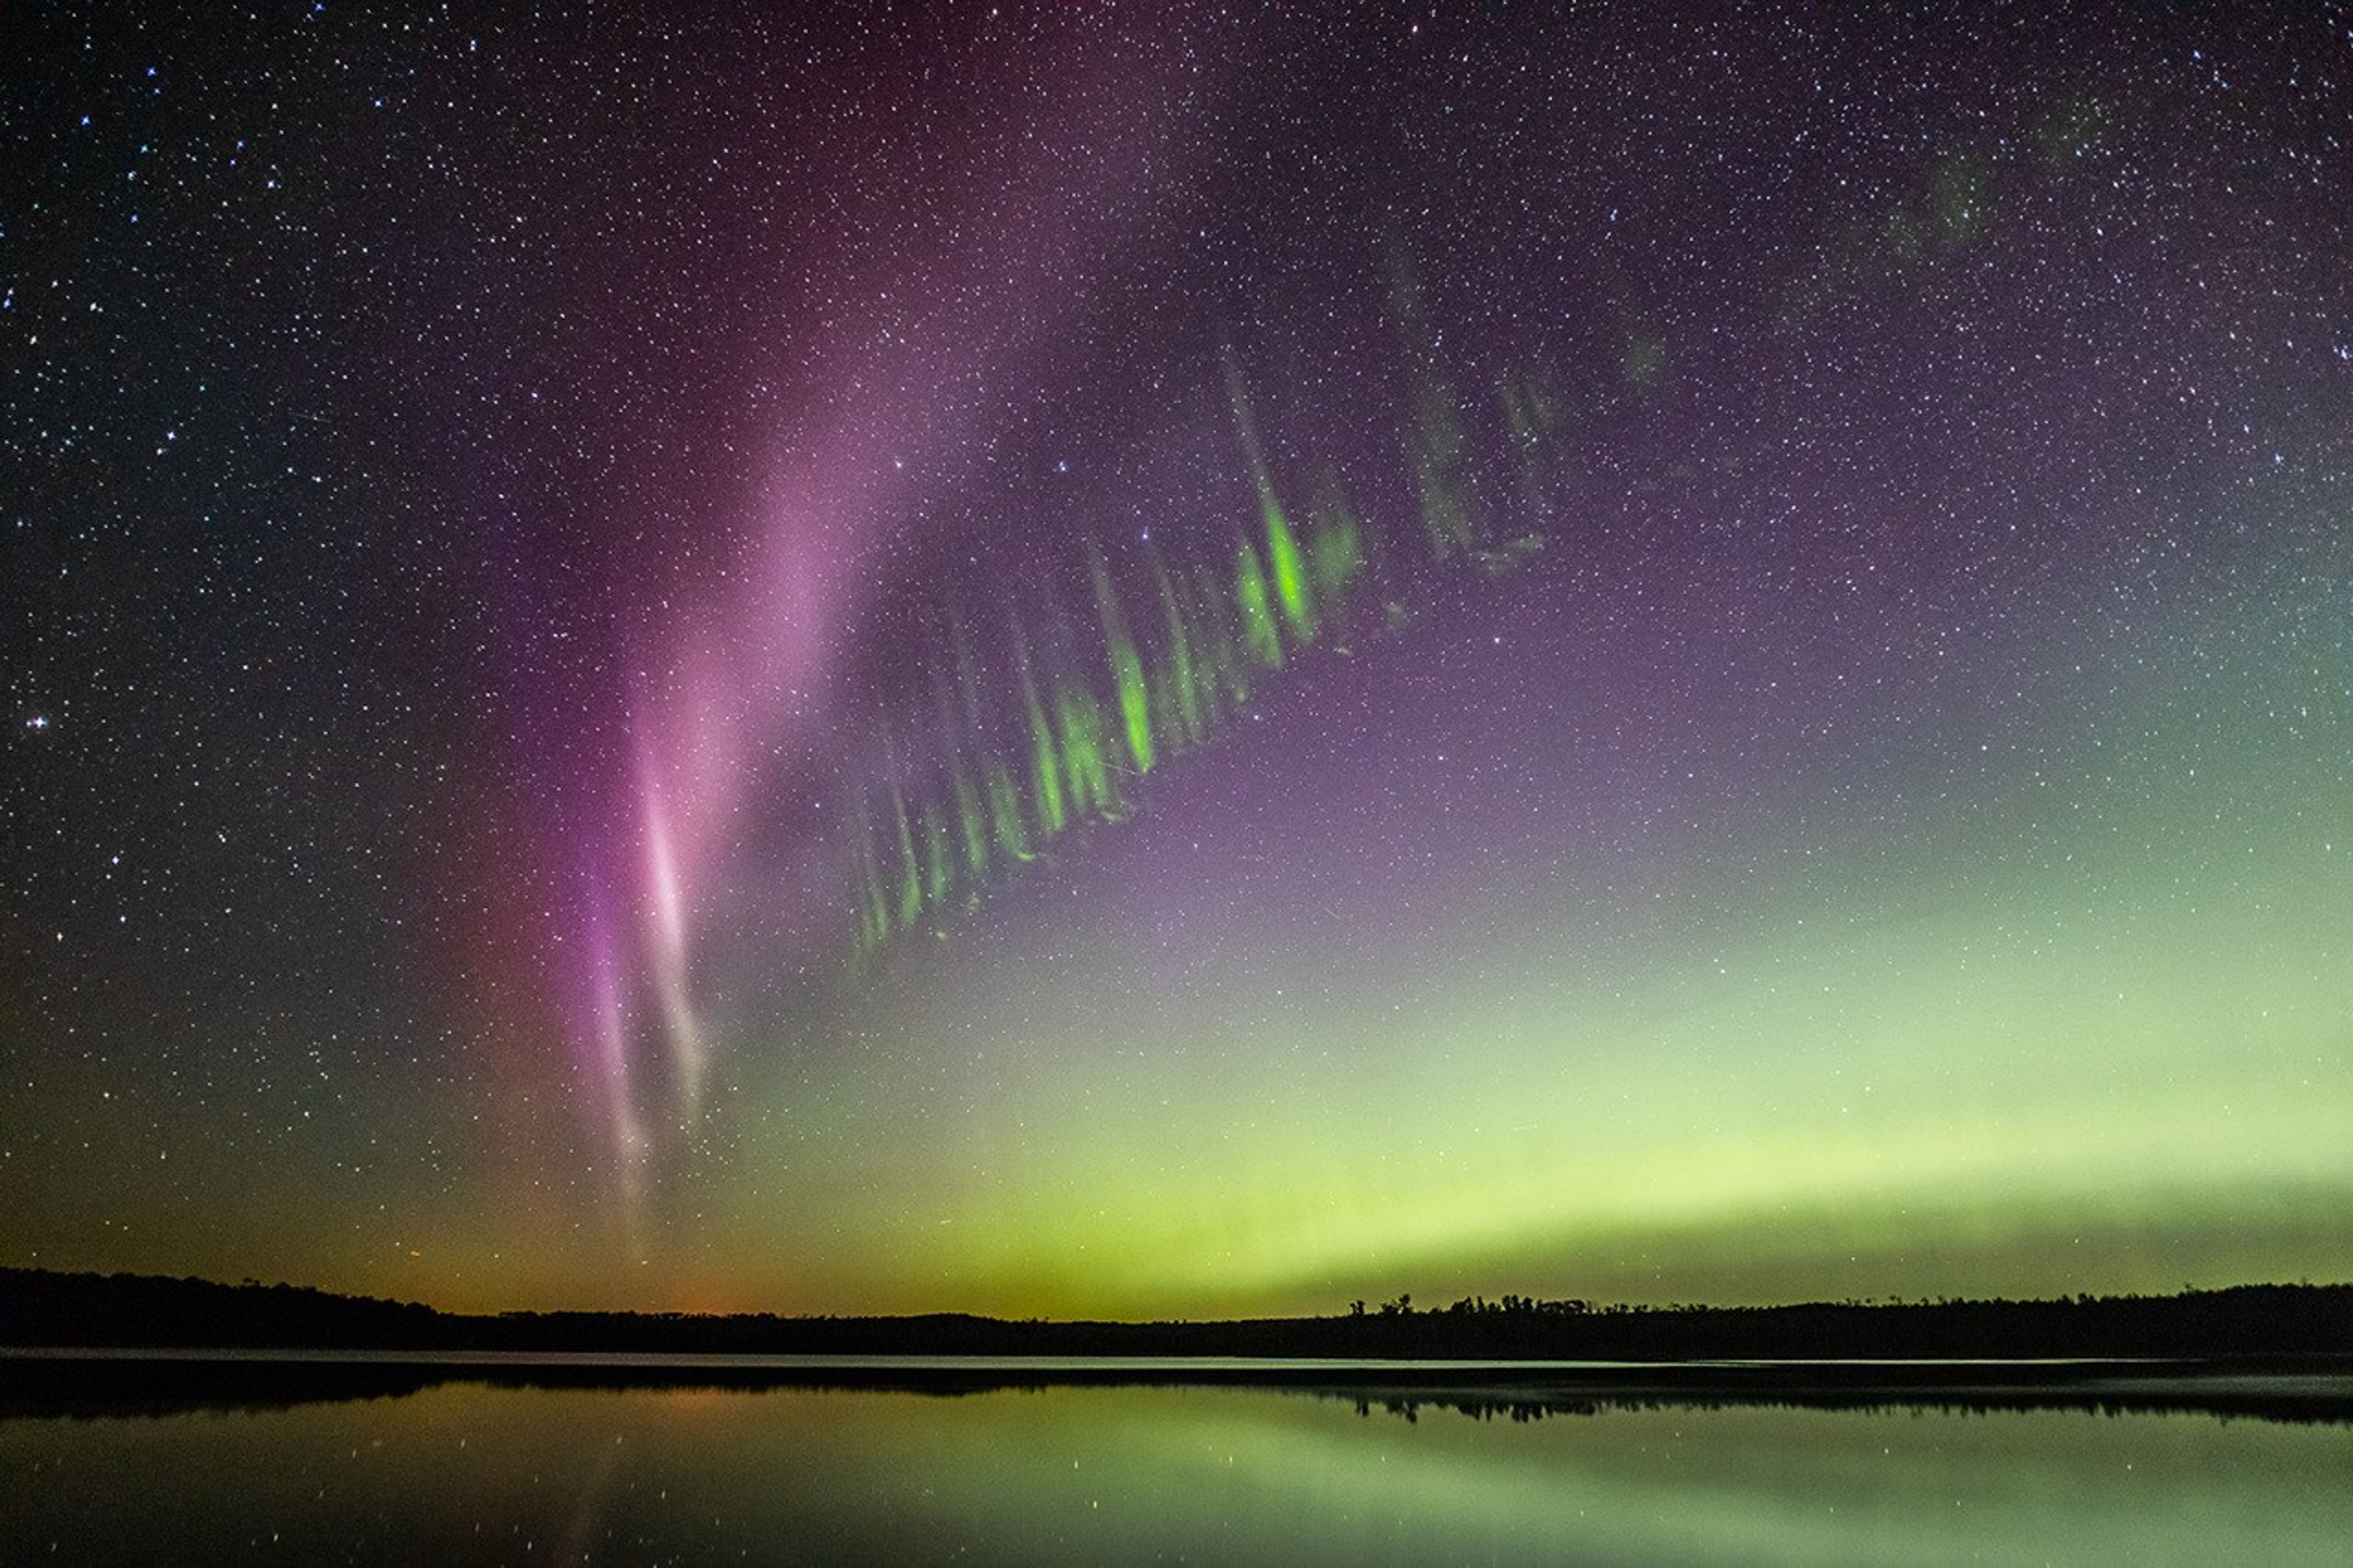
<point>469,1471</point>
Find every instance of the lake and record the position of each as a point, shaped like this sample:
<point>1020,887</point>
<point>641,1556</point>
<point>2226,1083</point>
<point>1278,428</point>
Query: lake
<point>392,1462</point>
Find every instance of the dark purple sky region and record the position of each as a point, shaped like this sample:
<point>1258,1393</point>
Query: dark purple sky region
<point>634,676</point>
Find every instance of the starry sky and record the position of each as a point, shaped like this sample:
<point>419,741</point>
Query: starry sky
<point>1177,659</point>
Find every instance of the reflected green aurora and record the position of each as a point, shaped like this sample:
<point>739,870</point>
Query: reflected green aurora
<point>466,1473</point>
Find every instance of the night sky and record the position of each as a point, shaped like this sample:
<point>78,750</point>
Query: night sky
<point>1176,661</point>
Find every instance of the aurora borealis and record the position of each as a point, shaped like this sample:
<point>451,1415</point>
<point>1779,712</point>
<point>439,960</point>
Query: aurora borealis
<point>1178,661</point>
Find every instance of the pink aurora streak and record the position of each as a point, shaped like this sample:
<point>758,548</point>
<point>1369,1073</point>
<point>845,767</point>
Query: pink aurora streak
<point>741,688</point>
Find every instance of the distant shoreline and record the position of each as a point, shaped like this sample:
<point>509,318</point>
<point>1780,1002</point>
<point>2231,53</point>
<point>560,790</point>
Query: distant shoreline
<point>89,1345</point>
<point>41,1308</point>
<point>101,1381</point>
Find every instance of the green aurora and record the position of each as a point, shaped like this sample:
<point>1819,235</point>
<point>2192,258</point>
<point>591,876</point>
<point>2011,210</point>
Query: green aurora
<point>1208,665</point>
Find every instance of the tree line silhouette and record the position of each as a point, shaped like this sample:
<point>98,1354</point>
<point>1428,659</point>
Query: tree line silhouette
<point>39,1308</point>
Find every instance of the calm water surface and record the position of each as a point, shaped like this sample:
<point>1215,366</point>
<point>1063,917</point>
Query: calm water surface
<point>467,1471</point>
